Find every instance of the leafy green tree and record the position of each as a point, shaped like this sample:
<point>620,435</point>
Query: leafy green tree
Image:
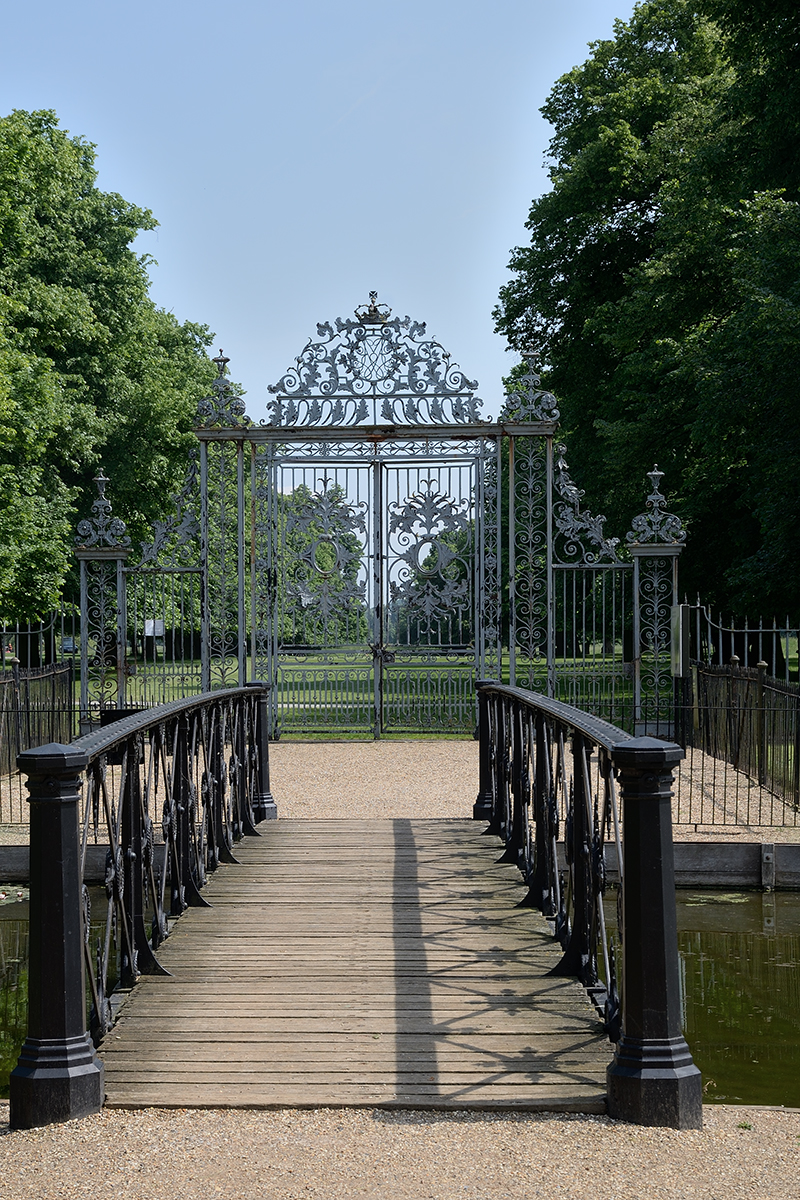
<point>35,504</point>
<point>661,286</point>
<point>91,371</point>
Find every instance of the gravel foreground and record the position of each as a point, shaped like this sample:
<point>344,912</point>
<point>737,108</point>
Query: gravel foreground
<point>328,1154</point>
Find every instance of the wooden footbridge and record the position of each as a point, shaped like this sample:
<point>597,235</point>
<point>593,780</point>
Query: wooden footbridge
<point>378,962</point>
<point>381,963</point>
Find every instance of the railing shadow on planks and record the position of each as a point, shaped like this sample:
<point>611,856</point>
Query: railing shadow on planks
<point>164,795</point>
<point>545,766</point>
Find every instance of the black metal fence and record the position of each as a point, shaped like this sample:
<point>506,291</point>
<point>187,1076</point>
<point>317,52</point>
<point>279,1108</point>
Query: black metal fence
<point>547,767</point>
<point>37,706</point>
<point>740,728</point>
<point>749,719</point>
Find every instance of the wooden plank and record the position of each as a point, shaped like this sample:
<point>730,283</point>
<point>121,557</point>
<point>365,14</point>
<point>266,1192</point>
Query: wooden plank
<point>380,963</point>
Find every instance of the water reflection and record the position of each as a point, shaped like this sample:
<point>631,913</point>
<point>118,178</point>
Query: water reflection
<point>13,985</point>
<point>740,967</point>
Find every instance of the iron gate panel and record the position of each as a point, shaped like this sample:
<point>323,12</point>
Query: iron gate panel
<point>316,519</point>
<point>431,578</point>
<point>372,561</point>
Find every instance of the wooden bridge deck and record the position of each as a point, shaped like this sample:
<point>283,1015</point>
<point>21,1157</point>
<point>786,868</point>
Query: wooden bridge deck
<point>377,963</point>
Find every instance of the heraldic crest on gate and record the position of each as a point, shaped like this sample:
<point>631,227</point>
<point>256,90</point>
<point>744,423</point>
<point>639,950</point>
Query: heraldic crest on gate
<point>372,548</point>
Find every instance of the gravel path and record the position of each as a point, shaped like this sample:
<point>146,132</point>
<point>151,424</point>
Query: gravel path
<point>335,1154</point>
<point>374,779</point>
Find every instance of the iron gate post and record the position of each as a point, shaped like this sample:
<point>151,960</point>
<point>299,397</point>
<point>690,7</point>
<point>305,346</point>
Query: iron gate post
<point>652,1079</point>
<point>102,547</point>
<point>655,542</point>
<point>58,1076</point>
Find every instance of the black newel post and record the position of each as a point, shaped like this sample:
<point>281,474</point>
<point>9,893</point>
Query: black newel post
<point>264,806</point>
<point>482,808</point>
<point>652,1079</point>
<point>58,1076</point>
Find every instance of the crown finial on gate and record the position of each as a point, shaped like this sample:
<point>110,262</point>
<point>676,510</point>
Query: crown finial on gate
<point>373,313</point>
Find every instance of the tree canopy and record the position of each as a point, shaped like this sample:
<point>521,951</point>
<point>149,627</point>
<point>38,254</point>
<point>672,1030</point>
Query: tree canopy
<point>92,372</point>
<point>661,283</point>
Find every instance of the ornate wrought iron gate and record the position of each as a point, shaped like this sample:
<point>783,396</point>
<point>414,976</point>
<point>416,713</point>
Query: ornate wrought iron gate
<point>373,548</point>
<point>377,580</point>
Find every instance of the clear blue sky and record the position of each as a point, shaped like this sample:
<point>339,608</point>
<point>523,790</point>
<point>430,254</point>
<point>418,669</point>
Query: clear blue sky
<point>297,155</point>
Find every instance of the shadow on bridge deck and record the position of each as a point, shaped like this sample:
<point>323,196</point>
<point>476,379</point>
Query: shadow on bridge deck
<point>375,963</point>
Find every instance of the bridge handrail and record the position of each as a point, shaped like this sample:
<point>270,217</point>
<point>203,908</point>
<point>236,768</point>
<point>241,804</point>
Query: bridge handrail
<point>544,764</point>
<point>601,732</point>
<point>203,762</point>
<point>99,741</point>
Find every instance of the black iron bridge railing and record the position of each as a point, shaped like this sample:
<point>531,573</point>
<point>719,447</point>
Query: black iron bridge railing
<point>573,798</point>
<point>159,798</point>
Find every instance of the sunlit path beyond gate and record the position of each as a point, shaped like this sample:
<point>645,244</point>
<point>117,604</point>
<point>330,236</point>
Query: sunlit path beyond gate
<point>378,963</point>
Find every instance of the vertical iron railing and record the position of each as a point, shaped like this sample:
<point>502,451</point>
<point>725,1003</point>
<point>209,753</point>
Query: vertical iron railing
<point>547,767</point>
<point>740,728</point>
<point>36,706</point>
<point>167,793</point>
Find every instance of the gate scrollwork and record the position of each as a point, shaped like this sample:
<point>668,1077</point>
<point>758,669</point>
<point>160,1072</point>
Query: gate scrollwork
<point>388,361</point>
<point>431,536</point>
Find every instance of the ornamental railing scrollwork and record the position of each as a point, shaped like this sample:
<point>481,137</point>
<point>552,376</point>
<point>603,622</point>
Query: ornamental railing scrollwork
<point>153,803</point>
<point>430,552</point>
<point>579,804</point>
<point>225,405</point>
<point>526,401</point>
<point>324,547</point>
<point>579,536</point>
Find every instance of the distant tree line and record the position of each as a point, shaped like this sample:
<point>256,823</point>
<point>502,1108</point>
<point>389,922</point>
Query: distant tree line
<point>92,372</point>
<point>661,284</point>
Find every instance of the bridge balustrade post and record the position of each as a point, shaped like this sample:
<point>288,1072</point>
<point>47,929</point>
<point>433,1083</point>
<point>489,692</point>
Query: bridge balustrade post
<point>244,734</point>
<point>58,1076</point>
<point>578,959</point>
<point>652,1079</point>
<point>220,786</point>
<point>482,808</point>
<point>189,892</point>
<point>514,834</point>
<point>263,802</point>
<point>541,885</point>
